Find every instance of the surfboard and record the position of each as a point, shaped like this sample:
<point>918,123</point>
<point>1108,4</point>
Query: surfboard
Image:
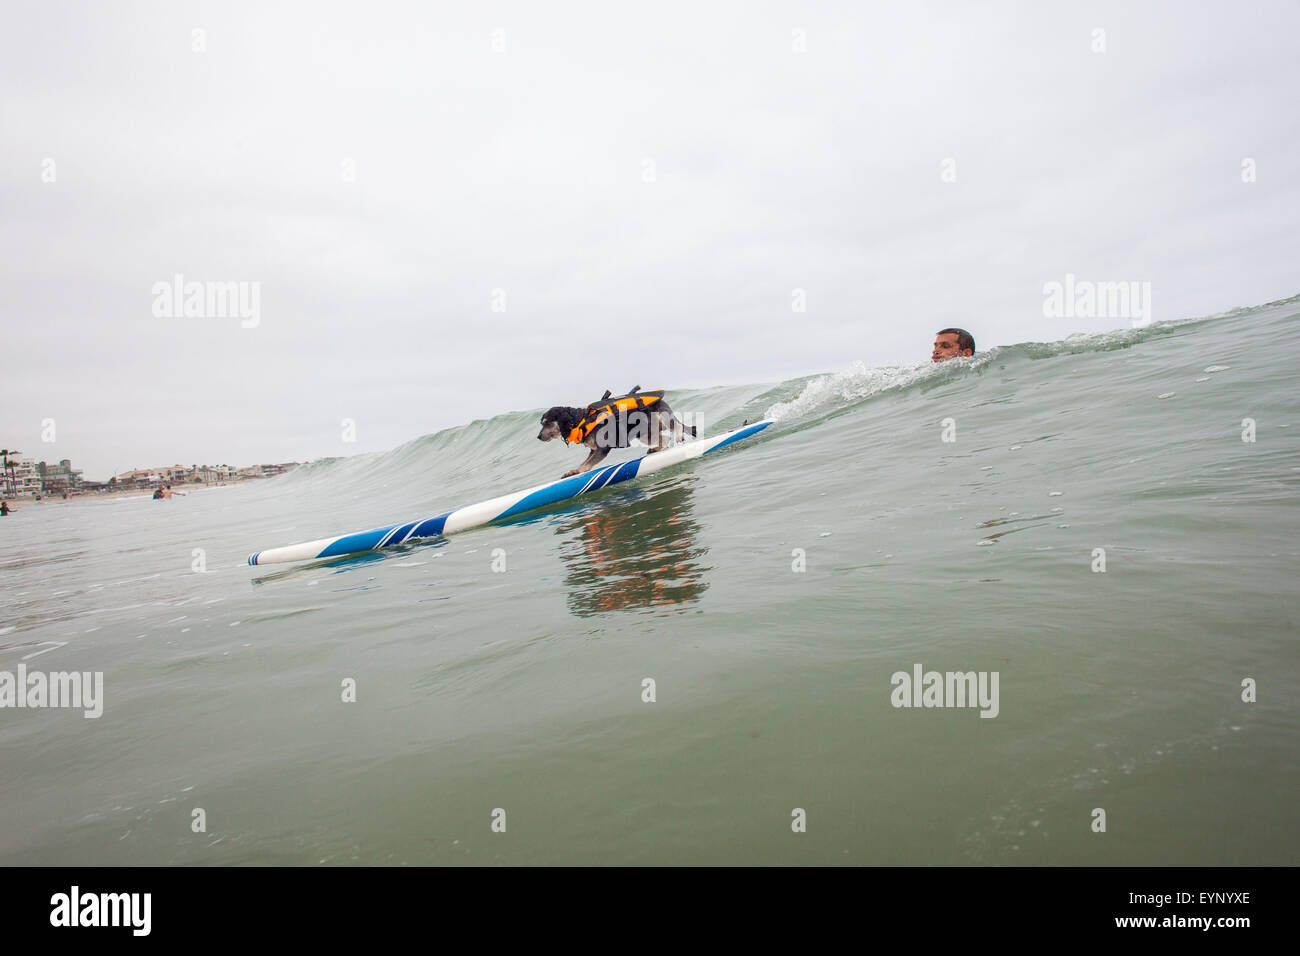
<point>506,506</point>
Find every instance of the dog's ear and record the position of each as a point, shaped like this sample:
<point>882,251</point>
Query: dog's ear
<point>569,418</point>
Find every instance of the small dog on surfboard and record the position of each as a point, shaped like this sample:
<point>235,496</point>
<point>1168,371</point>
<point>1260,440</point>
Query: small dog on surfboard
<point>613,423</point>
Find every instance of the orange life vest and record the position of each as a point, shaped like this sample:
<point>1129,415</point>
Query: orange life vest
<point>598,412</point>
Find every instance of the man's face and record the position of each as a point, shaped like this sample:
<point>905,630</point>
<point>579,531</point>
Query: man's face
<point>945,347</point>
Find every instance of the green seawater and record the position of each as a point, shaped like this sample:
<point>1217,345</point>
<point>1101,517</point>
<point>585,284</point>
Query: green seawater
<point>770,592</point>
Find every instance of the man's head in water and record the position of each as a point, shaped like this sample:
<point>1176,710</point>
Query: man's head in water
<point>951,343</point>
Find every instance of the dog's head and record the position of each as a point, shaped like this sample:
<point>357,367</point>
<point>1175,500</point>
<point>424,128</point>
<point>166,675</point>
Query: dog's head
<point>558,422</point>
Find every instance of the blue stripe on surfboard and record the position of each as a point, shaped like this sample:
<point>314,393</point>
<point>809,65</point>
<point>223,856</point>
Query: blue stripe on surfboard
<point>398,535</point>
<point>571,488</point>
<point>614,476</point>
<point>352,543</point>
<point>431,526</point>
<point>739,436</point>
<point>625,471</point>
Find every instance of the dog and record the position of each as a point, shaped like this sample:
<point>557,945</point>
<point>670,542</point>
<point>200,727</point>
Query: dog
<point>612,423</point>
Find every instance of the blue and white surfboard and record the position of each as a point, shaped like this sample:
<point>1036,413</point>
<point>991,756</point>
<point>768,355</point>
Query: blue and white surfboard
<point>506,506</point>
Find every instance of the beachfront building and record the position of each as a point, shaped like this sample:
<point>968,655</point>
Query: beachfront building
<point>23,477</point>
<point>136,478</point>
<point>176,474</point>
<point>210,474</point>
<point>59,479</point>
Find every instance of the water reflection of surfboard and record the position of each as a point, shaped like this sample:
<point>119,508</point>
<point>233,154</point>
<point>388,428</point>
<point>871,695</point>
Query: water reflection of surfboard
<point>506,506</point>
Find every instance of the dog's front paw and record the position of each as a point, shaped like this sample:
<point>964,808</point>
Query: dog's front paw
<point>569,474</point>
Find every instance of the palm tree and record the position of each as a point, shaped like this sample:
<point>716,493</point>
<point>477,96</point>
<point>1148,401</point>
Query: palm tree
<point>9,466</point>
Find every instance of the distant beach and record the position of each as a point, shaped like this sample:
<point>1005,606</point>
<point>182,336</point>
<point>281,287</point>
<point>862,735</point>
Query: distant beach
<point>18,502</point>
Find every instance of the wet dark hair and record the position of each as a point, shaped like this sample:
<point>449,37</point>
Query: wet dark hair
<point>964,339</point>
<point>567,418</point>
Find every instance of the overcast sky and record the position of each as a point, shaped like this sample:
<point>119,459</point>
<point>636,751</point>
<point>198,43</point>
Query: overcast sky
<point>647,183</point>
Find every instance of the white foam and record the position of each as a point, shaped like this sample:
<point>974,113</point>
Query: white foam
<point>850,385</point>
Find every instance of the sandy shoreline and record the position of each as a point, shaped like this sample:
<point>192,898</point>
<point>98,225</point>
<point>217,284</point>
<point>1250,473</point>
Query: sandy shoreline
<point>18,502</point>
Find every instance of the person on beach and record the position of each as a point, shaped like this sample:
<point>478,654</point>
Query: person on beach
<point>4,508</point>
<point>950,343</point>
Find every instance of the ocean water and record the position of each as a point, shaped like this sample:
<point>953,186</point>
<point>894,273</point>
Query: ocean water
<point>771,592</point>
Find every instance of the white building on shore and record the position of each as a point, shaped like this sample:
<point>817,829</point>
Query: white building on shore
<point>23,478</point>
